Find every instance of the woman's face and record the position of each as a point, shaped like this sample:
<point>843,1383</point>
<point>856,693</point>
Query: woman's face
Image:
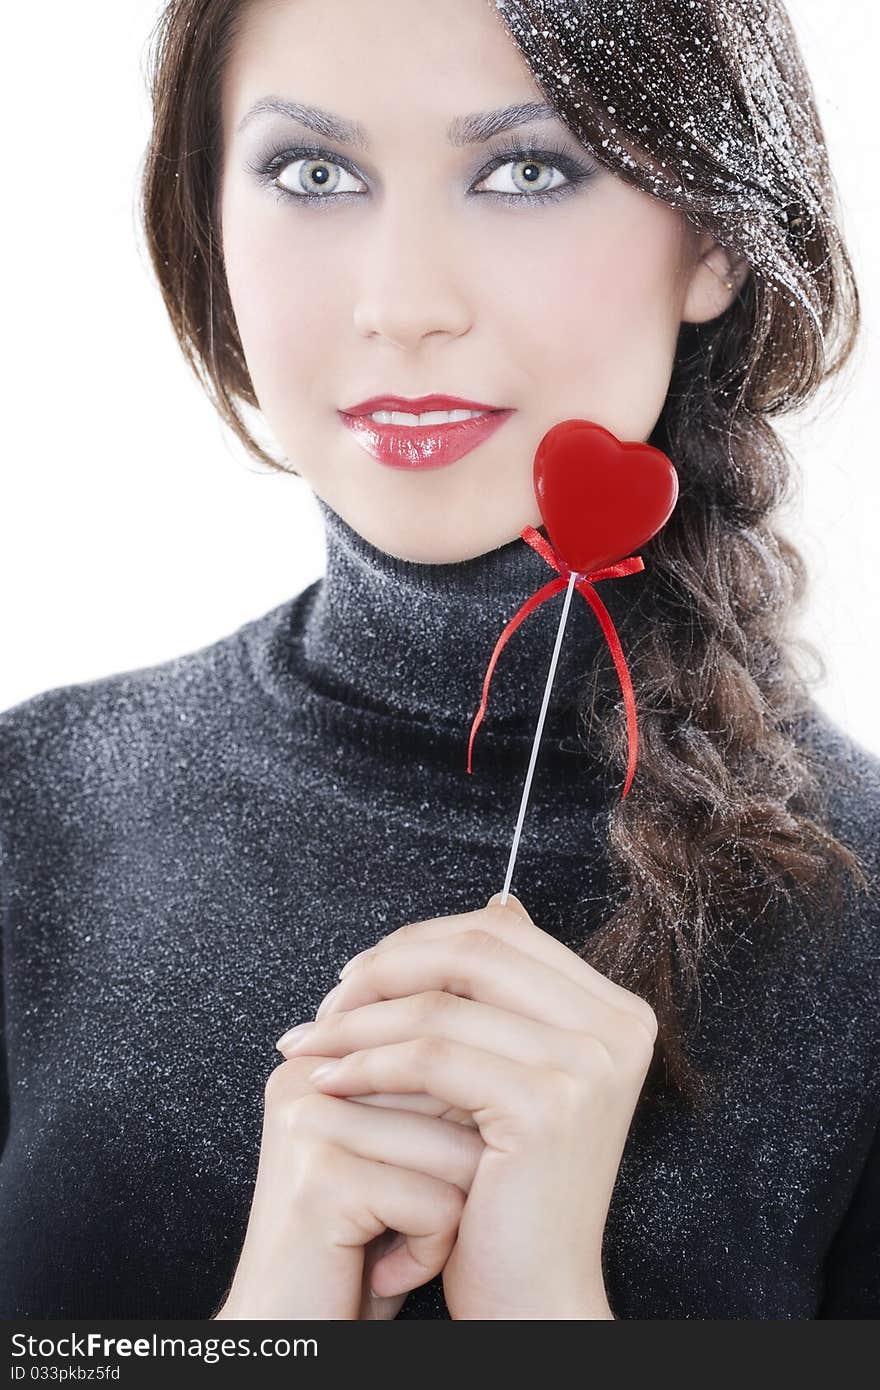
<point>408,278</point>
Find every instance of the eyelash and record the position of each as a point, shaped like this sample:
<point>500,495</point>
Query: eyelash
<point>274,161</point>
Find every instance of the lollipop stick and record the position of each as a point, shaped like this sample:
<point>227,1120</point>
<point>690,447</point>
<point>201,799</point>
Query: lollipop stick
<point>537,739</point>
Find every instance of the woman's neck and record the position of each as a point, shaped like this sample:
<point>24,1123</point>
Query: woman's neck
<point>414,639</point>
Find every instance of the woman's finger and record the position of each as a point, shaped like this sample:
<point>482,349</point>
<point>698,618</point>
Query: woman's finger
<point>412,1172</point>
<point>419,1102</point>
<point>423,1143</point>
<point>495,1090</point>
<point>484,966</point>
<point>435,1013</point>
<point>511,923</point>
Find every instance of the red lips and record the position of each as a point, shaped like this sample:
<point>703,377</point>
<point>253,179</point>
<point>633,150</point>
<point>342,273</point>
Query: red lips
<point>416,405</point>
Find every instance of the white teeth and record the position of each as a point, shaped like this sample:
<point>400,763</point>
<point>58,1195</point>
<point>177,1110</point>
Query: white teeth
<point>430,417</point>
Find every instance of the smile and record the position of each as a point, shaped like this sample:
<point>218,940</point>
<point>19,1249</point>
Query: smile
<point>431,444</point>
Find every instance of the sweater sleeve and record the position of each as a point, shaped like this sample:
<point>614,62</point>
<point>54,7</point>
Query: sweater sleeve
<point>852,1266</point>
<point>4,1069</point>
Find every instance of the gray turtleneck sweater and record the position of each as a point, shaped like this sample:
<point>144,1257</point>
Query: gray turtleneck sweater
<point>191,851</point>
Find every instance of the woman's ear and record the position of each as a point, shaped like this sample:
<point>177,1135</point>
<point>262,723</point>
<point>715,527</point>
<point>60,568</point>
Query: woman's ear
<point>713,269</point>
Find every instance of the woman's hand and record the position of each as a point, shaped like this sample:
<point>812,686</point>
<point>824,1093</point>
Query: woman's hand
<point>485,1012</point>
<point>335,1183</point>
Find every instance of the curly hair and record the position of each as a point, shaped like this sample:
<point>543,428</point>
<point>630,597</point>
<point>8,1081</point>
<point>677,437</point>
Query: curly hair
<point>709,108</point>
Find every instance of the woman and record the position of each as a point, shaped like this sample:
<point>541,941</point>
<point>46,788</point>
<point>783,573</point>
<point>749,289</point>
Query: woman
<point>647,1087</point>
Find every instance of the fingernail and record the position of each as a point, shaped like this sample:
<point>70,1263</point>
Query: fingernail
<point>292,1033</point>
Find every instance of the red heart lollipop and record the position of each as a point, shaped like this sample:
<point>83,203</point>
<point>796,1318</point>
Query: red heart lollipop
<point>600,498</point>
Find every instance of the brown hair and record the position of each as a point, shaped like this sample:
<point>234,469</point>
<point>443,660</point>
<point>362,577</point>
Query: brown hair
<point>708,107</point>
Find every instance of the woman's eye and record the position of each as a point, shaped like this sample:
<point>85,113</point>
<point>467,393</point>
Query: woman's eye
<point>528,176</point>
<point>314,178</point>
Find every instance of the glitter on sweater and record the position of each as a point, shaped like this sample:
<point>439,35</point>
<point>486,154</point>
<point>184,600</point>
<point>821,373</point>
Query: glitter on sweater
<point>192,850</point>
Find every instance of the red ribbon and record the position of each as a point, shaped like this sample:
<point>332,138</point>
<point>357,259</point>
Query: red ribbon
<point>632,565</point>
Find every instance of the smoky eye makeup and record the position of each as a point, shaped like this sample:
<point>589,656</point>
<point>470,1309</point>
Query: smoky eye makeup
<point>276,156</point>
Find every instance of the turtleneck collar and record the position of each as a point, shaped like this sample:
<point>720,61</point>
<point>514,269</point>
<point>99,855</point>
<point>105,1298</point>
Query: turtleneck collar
<point>404,638</point>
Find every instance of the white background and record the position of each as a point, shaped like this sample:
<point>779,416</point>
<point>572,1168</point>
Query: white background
<point>135,529</point>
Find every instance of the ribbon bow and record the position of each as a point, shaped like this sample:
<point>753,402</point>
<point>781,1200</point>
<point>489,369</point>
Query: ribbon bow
<point>584,584</point>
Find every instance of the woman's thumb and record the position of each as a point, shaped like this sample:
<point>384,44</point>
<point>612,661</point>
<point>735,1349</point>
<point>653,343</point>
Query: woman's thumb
<point>513,903</point>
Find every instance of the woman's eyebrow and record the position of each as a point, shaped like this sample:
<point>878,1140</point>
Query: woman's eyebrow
<point>464,130</point>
